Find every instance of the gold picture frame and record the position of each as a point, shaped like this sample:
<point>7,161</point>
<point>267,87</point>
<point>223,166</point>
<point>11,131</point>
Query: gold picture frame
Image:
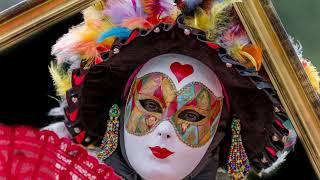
<point>301,101</point>
<point>264,27</point>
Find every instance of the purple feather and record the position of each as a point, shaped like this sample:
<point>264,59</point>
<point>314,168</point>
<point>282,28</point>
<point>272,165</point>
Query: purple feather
<point>167,6</point>
<point>120,10</point>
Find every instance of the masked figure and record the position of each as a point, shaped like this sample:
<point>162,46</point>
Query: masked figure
<point>161,97</point>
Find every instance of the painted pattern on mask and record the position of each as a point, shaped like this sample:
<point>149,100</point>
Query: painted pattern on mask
<point>159,88</point>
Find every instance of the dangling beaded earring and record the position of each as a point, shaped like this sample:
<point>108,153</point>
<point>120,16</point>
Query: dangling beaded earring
<point>110,140</point>
<point>238,163</point>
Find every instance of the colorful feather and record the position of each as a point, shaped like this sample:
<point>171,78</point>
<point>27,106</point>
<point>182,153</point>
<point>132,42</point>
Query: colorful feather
<point>159,11</point>
<point>121,10</point>
<point>61,79</point>
<point>119,32</point>
<point>158,7</point>
<point>237,43</point>
<point>309,68</point>
<point>211,22</point>
<point>312,74</point>
<point>80,43</point>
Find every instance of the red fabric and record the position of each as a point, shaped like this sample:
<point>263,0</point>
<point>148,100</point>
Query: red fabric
<point>213,45</point>
<point>72,116</point>
<point>78,79</point>
<point>79,138</point>
<point>27,153</point>
<point>132,36</point>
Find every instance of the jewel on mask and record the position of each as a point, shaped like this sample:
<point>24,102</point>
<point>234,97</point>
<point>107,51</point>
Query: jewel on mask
<point>181,71</point>
<point>110,140</point>
<point>238,163</point>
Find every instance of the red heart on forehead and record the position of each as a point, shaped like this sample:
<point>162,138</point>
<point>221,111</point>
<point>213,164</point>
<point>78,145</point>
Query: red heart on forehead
<point>181,71</point>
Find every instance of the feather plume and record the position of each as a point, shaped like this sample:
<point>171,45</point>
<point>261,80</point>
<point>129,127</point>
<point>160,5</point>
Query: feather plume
<point>309,68</point>
<point>213,21</point>
<point>297,47</point>
<point>312,74</point>
<point>238,45</point>
<point>119,32</point>
<point>158,7</point>
<point>61,79</point>
<point>276,165</point>
<point>121,10</point>
<point>134,23</point>
<point>159,11</point>
<point>80,43</point>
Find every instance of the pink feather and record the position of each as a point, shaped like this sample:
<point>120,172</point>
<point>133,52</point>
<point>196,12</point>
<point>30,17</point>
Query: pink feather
<point>158,8</point>
<point>121,10</point>
<point>236,34</point>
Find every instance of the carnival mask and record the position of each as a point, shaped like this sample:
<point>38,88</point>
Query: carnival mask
<point>171,116</point>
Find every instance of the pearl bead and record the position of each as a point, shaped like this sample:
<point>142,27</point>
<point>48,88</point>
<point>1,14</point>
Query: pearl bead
<point>187,32</point>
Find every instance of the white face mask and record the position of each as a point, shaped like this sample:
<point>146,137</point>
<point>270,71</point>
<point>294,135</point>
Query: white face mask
<point>171,116</point>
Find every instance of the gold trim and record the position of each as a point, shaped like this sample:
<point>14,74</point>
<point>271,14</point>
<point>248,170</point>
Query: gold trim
<point>286,72</point>
<point>37,18</point>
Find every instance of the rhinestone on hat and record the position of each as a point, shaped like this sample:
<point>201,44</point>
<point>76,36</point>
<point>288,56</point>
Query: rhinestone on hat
<point>74,99</point>
<point>156,30</point>
<point>187,32</point>
<point>116,50</point>
<point>228,65</point>
<point>76,130</point>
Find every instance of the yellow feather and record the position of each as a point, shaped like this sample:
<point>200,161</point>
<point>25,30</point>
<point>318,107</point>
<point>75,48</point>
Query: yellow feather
<point>61,79</point>
<point>249,58</point>
<point>95,23</point>
<point>312,74</point>
<point>213,21</point>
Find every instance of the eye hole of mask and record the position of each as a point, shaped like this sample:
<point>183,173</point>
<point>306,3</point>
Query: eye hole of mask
<point>151,105</point>
<point>191,115</point>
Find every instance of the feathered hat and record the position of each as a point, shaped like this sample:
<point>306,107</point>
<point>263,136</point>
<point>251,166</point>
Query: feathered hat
<point>95,60</point>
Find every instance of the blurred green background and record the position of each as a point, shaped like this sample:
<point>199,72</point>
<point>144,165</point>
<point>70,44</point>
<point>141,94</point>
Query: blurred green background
<point>301,19</point>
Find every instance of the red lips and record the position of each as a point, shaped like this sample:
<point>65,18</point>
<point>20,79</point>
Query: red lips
<point>160,153</point>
